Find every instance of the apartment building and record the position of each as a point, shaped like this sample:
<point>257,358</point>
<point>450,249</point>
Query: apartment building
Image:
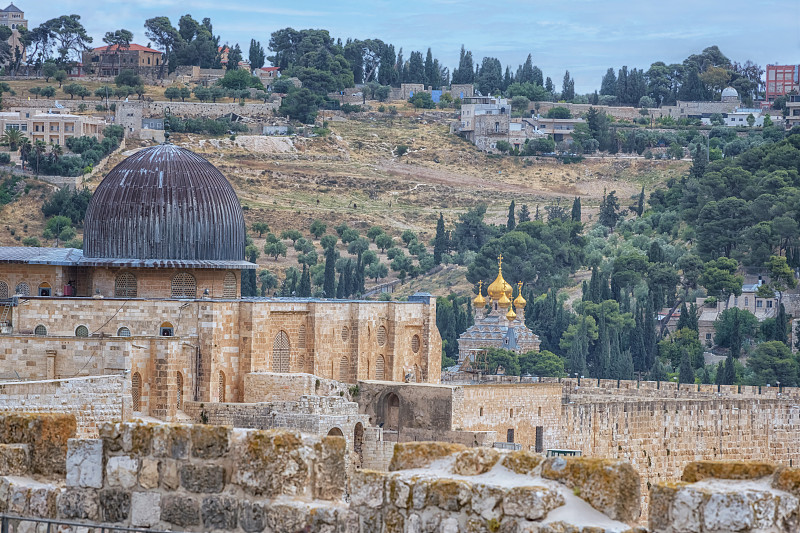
<point>51,127</point>
<point>781,80</point>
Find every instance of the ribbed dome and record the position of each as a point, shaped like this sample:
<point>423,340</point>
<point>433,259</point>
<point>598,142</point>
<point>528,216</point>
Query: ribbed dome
<point>730,92</point>
<point>168,203</point>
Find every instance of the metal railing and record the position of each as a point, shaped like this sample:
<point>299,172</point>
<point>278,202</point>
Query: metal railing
<point>10,524</point>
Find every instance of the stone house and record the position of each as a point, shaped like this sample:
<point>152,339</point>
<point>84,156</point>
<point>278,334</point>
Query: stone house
<point>107,61</point>
<point>14,18</point>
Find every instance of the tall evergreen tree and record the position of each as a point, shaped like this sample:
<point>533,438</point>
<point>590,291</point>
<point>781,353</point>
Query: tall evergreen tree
<point>256,55</point>
<point>698,162</point>
<point>609,84</point>
<point>781,325</point>
<point>729,377</point>
<point>549,86</point>
<point>329,283</point>
<point>579,349</point>
<point>568,88</point>
<point>341,286</point>
<point>622,86</point>
<point>640,203</point>
<point>720,377</point>
<point>604,341</point>
<point>686,373</point>
<point>431,72</point>
<point>511,223</point>
<point>576,209</point>
<point>649,333</point>
<point>304,288</point>
<point>638,350</point>
<point>439,242</point>
<point>526,71</point>
<point>524,214</point>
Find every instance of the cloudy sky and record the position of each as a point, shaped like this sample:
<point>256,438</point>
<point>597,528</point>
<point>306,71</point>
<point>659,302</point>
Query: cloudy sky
<point>584,36</point>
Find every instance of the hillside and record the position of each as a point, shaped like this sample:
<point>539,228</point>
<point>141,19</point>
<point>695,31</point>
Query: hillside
<point>352,176</point>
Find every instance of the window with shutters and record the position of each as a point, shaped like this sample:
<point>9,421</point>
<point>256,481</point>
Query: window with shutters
<point>301,363</point>
<point>125,285</point>
<point>382,336</point>
<point>380,365</point>
<point>229,286</point>
<point>179,384</point>
<point>345,334</point>
<point>415,343</point>
<point>136,391</point>
<point>40,330</point>
<point>221,386</point>
<point>184,286</point>
<point>3,290</point>
<point>81,331</point>
<point>539,446</point>
<point>301,337</point>
<point>280,352</point>
<point>23,289</point>
<point>123,332</point>
<point>344,368</point>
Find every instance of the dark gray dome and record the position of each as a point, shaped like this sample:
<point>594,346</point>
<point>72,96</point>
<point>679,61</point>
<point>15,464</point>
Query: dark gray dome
<point>167,203</point>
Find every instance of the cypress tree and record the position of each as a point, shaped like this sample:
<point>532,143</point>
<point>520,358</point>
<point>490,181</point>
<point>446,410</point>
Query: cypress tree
<point>304,289</point>
<point>595,290</point>
<point>683,320</point>
<point>640,203</point>
<point>729,377</point>
<point>604,363</point>
<point>686,374</point>
<point>638,350</point>
<point>524,214</point>
<point>579,349</point>
<point>649,336</point>
<point>576,209</point>
<point>511,223</point>
<point>340,287</point>
<point>657,371</point>
<point>329,283</point>
<point>439,242</point>
<point>780,325</point>
<point>537,216</point>
<point>720,377</point>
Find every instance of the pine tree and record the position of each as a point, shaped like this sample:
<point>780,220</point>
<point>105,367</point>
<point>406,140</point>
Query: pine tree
<point>439,242</point>
<point>576,209</point>
<point>511,223</point>
<point>329,284</point>
<point>524,214</point>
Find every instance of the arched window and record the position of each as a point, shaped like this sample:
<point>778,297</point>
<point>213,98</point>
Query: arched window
<point>301,337</point>
<point>229,285</point>
<point>344,368</point>
<point>184,286</point>
<point>221,386</point>
<point>301,363</point>
<point>3,290</point>
<point>23,289</point>
<point>280,352</point>
<point>45,289</point>
<point>81,331</point>
<point>381,335</point>
<point>136,391</point>
<point>179,384</point>
<point>40,330</point>
<point>345,333</point>
<point>125,285</point>
<point>380,368</point>
<point>166,330</point>
<point>335,432</point>
<point>415,343</point>
<point>123,332</point>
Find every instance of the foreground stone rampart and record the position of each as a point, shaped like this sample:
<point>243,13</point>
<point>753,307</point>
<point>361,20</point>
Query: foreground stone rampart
<point>216,478</point>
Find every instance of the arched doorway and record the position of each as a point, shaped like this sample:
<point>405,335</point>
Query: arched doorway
<point>335,432</point>
<point>280,352</point>
<point>391,412</point>
<point>358,441</point>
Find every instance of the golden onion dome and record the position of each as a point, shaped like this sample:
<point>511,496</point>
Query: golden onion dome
<point>499,286</point>
<point>519,301</point>
<point>511,315</point>
<point>504,302</point>
<point>479,302</point>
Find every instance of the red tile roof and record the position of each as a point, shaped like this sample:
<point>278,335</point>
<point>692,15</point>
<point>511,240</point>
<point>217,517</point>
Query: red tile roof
<point>133,47</point>
<point>270,69</point>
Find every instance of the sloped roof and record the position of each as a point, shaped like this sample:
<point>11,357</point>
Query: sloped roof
<point>33,255</point>
<point>133,48</point>
<point>12,8</point>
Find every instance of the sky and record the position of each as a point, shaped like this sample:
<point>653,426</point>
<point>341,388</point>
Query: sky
<point>585,37</point>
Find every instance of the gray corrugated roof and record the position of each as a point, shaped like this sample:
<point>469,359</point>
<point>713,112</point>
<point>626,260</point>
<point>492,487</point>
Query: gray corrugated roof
<point>73,257</point>
<point>39,256</point>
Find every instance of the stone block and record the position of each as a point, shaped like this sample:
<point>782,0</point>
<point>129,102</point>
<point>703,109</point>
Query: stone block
<point>219,512</point>
<point>136,437</point>
<point>122,471</point>
<point>611,486</point>
<point>210,442</point>
<point>14,459</point>
<point>182,511</point>
<point>79,504</point>
<point>787,479</point>
<point>487,501</point>
<point>409,455</point>
<point>450,494</point>
<point>171,441</point>
<point>398,492</point>
<point>522,461</point>
<point>19,497</point>
<point>109,433</point>
<point>253,516</point>
<point>148,474</point>
<point>475,461</point>
<point>271,463</point>
<point>532,503</point>
<point>42,502</point>
<point>115,505</point>
<point>145,509</point>
<point>47,434</point>
<point>202,477</point>
<point>367,489</point>
<point>287,517</point>
<point>700,470</point>
<point>85,463</point>
<point>330,476</point>
<point>168,470</point>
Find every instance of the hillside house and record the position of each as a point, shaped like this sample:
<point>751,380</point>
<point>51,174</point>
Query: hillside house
<point>106,61</point>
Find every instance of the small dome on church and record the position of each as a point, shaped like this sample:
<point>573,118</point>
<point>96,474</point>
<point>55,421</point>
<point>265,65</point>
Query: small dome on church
<point>479,302</point>
<point>504,302</point>
<point>729,93</point>
<point>500,286</point>
<point>511,315</point>
<point>167,203</point>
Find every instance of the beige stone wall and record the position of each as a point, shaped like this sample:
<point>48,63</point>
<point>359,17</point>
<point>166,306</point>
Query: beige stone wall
<point>269,387</point>
<point>34,276</point>
<point>92,401</point>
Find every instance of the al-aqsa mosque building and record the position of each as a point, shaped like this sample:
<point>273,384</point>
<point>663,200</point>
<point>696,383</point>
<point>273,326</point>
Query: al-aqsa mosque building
<point>497,324</point>
<point>155,296</point>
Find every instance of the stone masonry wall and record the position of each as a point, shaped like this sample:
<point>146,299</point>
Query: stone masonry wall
<point>92,401</point>
<point>273,386</point>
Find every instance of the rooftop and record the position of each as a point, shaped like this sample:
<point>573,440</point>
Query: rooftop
<point>133,47</point>
<point>12,8</point>
<point>73,257</point>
